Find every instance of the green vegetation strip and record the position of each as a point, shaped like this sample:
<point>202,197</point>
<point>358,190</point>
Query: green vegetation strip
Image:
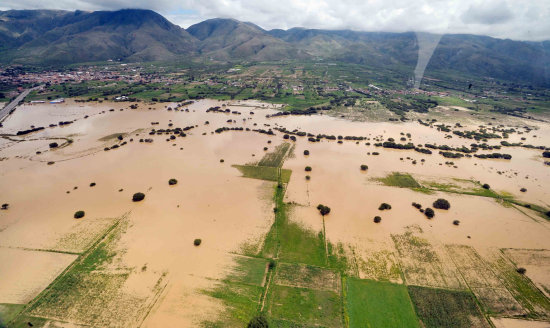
<point>264,172</point>
<point>405,180</point>
<point>379,304</point>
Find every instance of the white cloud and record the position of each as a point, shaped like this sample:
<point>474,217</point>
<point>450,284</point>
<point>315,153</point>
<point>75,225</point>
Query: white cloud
<point>523,20</point>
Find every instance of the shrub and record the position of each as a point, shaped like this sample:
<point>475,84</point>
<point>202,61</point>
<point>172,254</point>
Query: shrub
<point>416,205</point>
<point>138,196</point>
<point>429,213</point>
<point>523,190</point>
<point>271,264</point>
<point>306,152</point>
<point>197,242</point>
<point>377,219</point>
<point>546,154</point>
<point>308,168</point>
<point>258,321</point>
<point>521,270</point>
<point>308,177</point>
<point>384,206</point>
<point>53,145</point>
<point>265,148</point>
<point>324,210</point>
<point>442,204</point>
<point>486,186</point>
<point>364,167</point>
<point>92,184</point>
<point>456,222</point>
<point>5,206</point>
<point>172,182</point>
<point>221,161</point>
<point>79,214</point>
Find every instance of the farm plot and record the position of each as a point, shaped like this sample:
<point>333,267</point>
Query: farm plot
<point>378,304</point>
<point>308,307</point>
<point>93,292</point>
<point>446,308</point>
<point>378,265</point>
<point>522,289</point>
<point>422,265</point>
<point>537,264</point>
<point>307,276</point>
<point>483,282</point>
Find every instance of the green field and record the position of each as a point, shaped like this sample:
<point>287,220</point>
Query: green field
<point>378,304</point>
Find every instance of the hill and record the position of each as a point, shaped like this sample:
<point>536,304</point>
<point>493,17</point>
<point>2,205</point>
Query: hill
<point>63,37</point>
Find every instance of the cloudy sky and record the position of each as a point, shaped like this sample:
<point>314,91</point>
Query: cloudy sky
<point>514,19</point>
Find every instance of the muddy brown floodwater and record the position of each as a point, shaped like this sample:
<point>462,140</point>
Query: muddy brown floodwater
<point>214,203</point>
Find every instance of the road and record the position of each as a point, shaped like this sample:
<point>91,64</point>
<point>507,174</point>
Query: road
<point>4,112</point>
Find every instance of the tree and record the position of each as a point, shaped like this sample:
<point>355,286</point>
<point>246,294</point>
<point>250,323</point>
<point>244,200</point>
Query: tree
<point>79,214</point>
<point>197,242</point>
<point>258,321</point>
<point>324,210</point>
<point>384,206</point>
<point>138,196</point>
<point>364,167</point>
<point>429,213</point>
<point>172,182</point>
<point>377,219</point>
<point>486,186</point>
<point>442,204</point>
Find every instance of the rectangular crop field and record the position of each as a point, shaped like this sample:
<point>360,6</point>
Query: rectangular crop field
<point>446,308</point>
<point>379,304</point>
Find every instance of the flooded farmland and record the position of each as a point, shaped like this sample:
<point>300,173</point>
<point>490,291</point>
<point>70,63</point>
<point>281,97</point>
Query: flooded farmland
<point>240,229</point>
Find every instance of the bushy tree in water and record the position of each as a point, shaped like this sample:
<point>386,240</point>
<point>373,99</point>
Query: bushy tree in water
<point>138,196</point>
<point>324,210</point>
<point>442,204</point>
<point>429,213</point>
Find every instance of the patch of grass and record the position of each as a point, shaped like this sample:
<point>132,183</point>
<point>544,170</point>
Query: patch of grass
<point>9,312</point>
<point>378,304</point>
<point>264,172</point>
<point>402,180</point>
<point>23,321</point>
<point>446,308</point>
<point>306,306</point>
<point>276,157</point>
<point>241,303</point>
<point>249,270</point>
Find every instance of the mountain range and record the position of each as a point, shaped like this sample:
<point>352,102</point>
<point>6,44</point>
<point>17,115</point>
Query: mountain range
<point>64,37</point>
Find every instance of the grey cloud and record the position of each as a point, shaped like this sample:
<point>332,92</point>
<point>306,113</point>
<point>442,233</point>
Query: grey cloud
<point>488,13</point>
